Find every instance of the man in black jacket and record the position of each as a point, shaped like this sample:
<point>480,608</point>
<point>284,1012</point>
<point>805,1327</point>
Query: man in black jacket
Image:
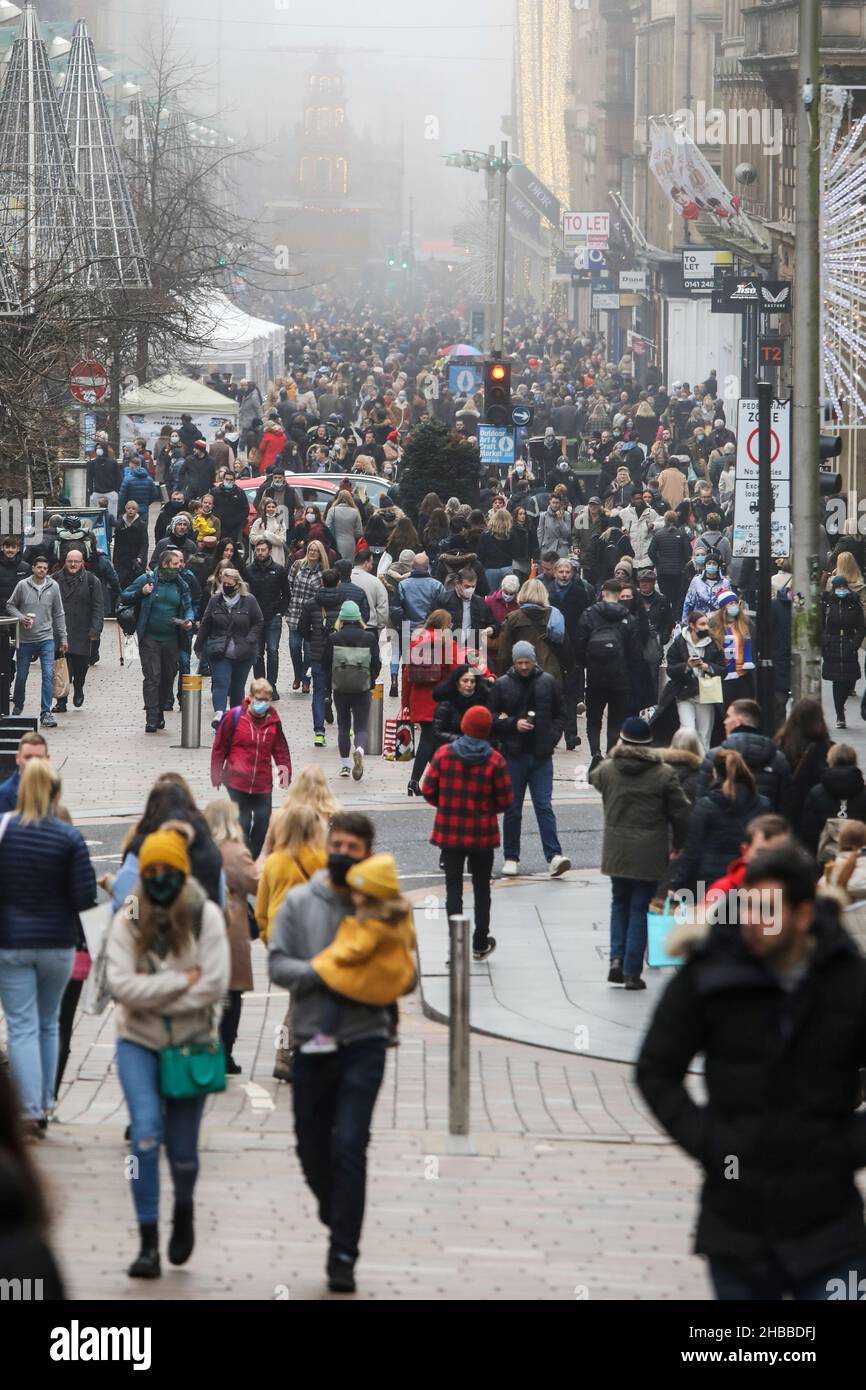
<point>318,619</point>
<point>768,764</point>
<point>777,1003</point>
<point>196,474</point>
<point>167,513</point>
<point>670,552</point>
<point>528,719</point>
<point>231,505</point>
<point>607,649</point>
<point>104,476</point>
<point>470,616</point>
<point>569,595</point>
<point>269,585</point>
<point>12,569</point>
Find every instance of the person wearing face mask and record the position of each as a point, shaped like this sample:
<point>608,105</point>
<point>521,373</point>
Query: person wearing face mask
<point>732,631</point>
<point>231,505</point>
<point>129,548</point>
<point>179,536</point>
<point>333,1095</point>
<point>248,741</point>
<point>554,529</point>
<point>137,486</point>
<point>704,590</point>
<point>167,970</point>
<point>104,477</point>
<point>164,607</point>
<point>229,636</point>
<point>843,630</point>
<point>694,653</point>
<point>167,513</point>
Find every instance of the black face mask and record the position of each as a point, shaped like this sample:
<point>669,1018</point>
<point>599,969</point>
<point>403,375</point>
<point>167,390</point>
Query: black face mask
<point>338,866</point>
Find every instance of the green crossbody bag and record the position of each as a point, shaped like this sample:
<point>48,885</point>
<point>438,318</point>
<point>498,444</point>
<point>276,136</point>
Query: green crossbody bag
<point>193,1069</point>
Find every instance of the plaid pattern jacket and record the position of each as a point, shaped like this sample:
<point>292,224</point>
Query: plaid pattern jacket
<point>468,797</point>
<point>304,584</point>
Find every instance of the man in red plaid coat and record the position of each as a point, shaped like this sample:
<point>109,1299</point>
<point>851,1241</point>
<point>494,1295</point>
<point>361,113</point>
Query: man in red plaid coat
<point>467,781</point>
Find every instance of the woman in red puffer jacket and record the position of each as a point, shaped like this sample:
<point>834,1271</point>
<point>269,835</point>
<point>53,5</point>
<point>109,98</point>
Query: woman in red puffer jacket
<point>273,443</point>
<point>250,737</point>
<point>432,655</point>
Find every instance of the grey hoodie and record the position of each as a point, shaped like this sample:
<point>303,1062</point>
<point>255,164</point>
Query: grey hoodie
<point>306,923</point>
<point>42,603</point>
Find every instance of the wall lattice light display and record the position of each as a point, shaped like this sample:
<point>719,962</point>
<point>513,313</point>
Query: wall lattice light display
<point>842,232</point>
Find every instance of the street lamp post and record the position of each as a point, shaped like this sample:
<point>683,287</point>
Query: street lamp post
<point>492,164</point>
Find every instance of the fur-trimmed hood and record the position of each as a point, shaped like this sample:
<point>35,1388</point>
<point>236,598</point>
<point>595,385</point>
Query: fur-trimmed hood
<point>681,757</point>
<point>635,758</point>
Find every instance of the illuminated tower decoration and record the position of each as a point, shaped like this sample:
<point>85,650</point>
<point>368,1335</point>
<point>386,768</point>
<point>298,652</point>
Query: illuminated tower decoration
<point>542,68</point>
<point>323,157</point>
<point>43,222</point>
<point>99,171</point>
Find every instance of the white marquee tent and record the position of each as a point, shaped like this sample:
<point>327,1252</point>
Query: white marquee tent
<point>249,347</point>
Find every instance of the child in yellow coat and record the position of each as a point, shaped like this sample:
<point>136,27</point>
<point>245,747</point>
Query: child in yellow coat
<point>372,958</point>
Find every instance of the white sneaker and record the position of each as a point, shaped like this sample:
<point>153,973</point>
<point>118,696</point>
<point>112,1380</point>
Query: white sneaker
<point>217,719</point>
<point>509,868</point>
<point>318,1046</point>
<point>559,864</point>
<point>345,770</point>
<point>358,764</point>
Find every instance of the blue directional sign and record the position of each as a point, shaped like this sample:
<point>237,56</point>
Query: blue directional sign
<point>496,444</point>
<point>521,414</point>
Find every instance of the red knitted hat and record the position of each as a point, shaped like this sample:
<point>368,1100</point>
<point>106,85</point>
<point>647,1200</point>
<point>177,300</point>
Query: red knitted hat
<point>476,722</point>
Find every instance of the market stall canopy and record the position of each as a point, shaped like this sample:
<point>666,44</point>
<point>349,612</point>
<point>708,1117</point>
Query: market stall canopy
<point>177,395</point>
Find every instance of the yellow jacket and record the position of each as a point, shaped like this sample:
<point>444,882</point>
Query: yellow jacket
<point>281,872</point>
<point>206,525</point>
<point>370,960</point>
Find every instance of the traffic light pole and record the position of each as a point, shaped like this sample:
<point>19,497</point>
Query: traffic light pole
<point>766,684</point>
<point>503,233</point>
<point>806,625</point>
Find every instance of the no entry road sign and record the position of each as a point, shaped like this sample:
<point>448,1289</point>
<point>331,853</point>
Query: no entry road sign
<point>88,381</point>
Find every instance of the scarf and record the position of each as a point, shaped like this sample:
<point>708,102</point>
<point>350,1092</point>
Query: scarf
<point>738,653</point>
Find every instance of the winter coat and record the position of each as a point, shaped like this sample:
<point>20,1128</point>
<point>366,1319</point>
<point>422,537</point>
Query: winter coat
<point>305,581</point>
<point>782,1081</point>
<point>232,507</point>
<point>352,635</point>
<point>844,628</point>
<point>420,594</point>
<point>104,475</point>
<point>717,830</point>
<point>835,786</point>
<point>129,550</point>
<point>572,602</point>
<point>681,676</point>
<point>282,871</point>
<point>347,527</point>
<point>457,558</point>
<point>644,808</point>
<point>496,552</point>
<point>243,749</point>
<point>273,529</point>
<point>269,586</point>
<point>479,616</point>
<point>640,529</point>
<point>468,783</point>
<point>377,597</point>
<point>147,997</point>
<point>768,765</point>
<point>805,776</point>
<point>426,647</point>
<point>499,607</point>
<point>241,880</point>
<point>514,696</point>
<point>607,645</point>
<point>137,486</point>
<point>686,765</point>
<point>524,542</point>
<point>669,551</point>
<point>451,705</point>
<point>250,408</point>
<point>222,626</point>
<point>702,595</point>
<point>534,624</point>
<point>11,571</point>
<point>673,486</point>
<point>195,477</point>
<point>554,533</point>
<point>307,922</point>
<point>83,607</point>
<point>46,879</point>
<point>272,445</point>
<point>372,958</point>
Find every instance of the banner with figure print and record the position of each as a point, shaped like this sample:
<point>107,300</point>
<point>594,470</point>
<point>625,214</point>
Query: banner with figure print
<point>690,182</point>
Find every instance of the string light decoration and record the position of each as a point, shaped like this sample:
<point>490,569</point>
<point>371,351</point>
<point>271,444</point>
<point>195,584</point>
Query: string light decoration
<point>842,240</point>
<point>478,234</point>
<point>542,69</point>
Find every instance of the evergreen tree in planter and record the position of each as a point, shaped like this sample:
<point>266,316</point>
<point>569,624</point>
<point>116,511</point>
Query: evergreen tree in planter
<point>435,462</point>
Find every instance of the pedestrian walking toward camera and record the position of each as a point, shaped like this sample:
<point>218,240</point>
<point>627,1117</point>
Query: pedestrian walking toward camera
<point>776,1006</point>
<point>644,808</point>
<point>249,739</point>
<point>37,605</point>
<point>241,882</point>
<point>230,636</point>
<point>163,604</point>
<point>84,610</point>
<point>351,662</point>
<point>167,969</point>
<point>468,783</point>
<point>529,717</point>
<point>844,628</point>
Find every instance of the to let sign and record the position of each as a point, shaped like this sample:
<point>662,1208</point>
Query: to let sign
<point>586,229</point>
<point>88,382</point>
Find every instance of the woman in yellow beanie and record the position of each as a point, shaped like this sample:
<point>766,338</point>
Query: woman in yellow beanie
<point>167,969</point>
<point>372,957</point>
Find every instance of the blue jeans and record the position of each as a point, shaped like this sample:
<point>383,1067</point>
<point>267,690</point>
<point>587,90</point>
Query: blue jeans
<point>321,695</point>
<point>525,771</point>
<point>153,1121</point>
<point>228,681</point>
<point>270,648</point>
<point>333,1097</point>
<point>300,661</point>
<point>838,1282</point>
<point>31,988</point>
<point>45,652</point>
<point>629,903</point>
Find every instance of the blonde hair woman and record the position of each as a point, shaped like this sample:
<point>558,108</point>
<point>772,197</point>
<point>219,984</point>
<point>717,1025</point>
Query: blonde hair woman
<point>731,631</point>
<point>229,636</point>
<point>847,566</point>
<point>305,581</point>
<point>344,519</point>
<point>167,969</point>
<point>310,788</point>
<point>242,879</point>
<point>297,835</point>
<point>46,879</point>
<point>364,464</point>
<point>496,548</point>
<point>271,524</point>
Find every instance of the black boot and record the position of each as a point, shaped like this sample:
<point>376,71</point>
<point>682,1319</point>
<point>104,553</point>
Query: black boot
<point>393,687</point>
<point>341,1273</point>
<point>182,1234</point>
<point>146,1264</point>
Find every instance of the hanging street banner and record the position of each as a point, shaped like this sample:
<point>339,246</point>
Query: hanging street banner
<point>496,444</point>
<point>536,193</point>
<point>605,301</point>
<point>522,217</point>
<point>699,266</point>
<point>747,479</point>
<point>774,296</point>
<point>586,229</point>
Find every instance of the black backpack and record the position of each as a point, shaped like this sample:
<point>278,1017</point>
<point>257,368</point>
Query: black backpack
<point>605,652</point>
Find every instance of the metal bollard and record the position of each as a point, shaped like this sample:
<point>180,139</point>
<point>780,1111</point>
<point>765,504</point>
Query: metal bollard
<point>190,714</point>
<point>458,1027</point>
<point>376,726</point>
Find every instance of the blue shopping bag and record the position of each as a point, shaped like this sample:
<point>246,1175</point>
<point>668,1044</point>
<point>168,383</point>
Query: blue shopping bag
<point>659,926</point>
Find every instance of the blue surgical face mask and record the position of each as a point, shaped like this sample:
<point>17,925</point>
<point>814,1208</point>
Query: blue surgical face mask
<point>733,610</point>
<point>712,570</point>
<point>841,593</point>
<point>260,706</point>
<point>700,560</point>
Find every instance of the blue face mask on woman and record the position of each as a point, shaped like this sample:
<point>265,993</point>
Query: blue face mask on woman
<point>733,610</point>
<point>260,706</point>
<point>841,593</point>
